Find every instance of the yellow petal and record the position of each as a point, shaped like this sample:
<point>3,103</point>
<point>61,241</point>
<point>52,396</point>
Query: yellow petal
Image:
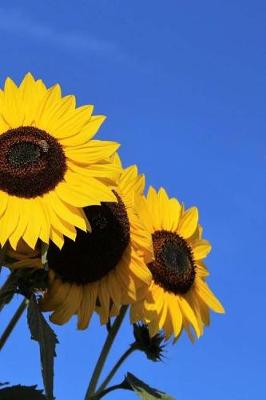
<point>72,122</point>
<point>65,212</point>
<point>56,111</point>
<point>155,317</point>
<point>55,295</point>
<point>87,305</point>
<point>189,314</point>
<point>64,311</point>
<point>128,178</point>
<point>201,269</point>
<point>35,221</point>
<point>9,220</point>
<point>153,204</point>
<point>163,202</point>
<point>136,312</point>
<point>201,249</point>
<point>104,300</point>
<point>94,151</point>
<point>174,311</point>
<point>51,96</point>
<point>114,289</point>
<point>57,238</point>
<point>24,216</point>
<point>27,82</point>
<point>3,202</point>
<point>94,190</point>
<point>31,94</point>
<point>46,225</point>
<point>138,267</point>
<point>108,173</point>
<point>174,210</point>
<point>62,226</point>
<point>207,296</point>
<point>168,323</point>
<point>188,223</point>
<point>128,284</point>
<point>71,196</point>
<point>144,212</point>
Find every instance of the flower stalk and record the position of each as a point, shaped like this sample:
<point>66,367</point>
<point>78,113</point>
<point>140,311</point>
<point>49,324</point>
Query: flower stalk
<point>116,367</point>
<point>104,353</point>
<point>100,395</point>
<point>13,322</point>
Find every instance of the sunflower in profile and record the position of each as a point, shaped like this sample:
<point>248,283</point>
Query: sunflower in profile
<point>49,165</point>
<point>178,296</point>
<point>106,267</point>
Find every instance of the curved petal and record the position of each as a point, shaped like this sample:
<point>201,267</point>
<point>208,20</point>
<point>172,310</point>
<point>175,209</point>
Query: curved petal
<point>70,306</point>
<point>87,305</point>
<point>207,296</point>
<point>188,222</point>
<point>201,249</point>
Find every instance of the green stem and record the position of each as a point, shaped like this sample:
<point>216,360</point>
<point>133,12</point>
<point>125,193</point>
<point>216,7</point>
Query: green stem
<point>13,322</point>
<point>105,351</point>
<point>98,396</point>
<point>6,292</point>
<point>116,367</point>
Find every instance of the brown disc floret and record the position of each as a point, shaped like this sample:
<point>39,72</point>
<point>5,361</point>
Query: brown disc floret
<point>32,162</point>
<point>173,268</point>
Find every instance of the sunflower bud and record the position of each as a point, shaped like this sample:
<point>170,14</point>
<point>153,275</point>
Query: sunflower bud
<point>151,346</point>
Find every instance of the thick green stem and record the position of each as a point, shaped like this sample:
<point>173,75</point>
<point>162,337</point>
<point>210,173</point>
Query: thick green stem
<point>104,353</point>
<point>116,367</point>
<point>12,323</point>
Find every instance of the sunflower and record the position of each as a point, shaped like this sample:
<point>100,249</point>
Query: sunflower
<point>49,165</point>
<point>178,296</point>
<point>106,267</point>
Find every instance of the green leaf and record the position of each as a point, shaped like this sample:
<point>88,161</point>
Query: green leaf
<point>19,392</point>
<point>45,336</point>
<point>144,391</point>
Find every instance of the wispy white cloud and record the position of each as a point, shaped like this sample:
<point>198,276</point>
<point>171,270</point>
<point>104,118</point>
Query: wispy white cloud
<point>16,22</point>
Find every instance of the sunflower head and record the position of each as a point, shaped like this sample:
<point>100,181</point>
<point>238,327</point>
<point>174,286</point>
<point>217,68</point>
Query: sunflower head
<point>178,297</point>
<point>105,268</point>
<point>50,166</point>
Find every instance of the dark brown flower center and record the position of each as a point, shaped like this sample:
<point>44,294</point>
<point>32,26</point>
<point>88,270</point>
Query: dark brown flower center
<point>32,162</point>
<point>93,255</point>
<point>173,268</point>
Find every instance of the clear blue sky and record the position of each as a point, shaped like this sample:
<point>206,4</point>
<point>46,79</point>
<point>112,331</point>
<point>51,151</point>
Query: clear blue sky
<point>183,84</point>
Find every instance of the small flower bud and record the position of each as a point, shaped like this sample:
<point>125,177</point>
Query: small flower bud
<point>151,346</point>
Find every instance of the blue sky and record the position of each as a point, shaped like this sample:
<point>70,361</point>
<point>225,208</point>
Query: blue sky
<point>183,86</point>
